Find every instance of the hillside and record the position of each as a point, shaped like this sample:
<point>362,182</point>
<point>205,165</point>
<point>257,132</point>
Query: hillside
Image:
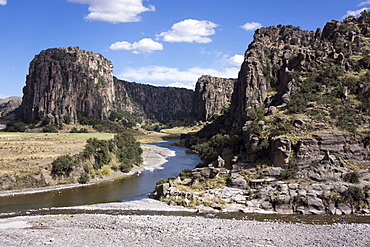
<point>296,136</point>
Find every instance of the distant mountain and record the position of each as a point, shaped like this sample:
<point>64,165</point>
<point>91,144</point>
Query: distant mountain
<point>9,104</point>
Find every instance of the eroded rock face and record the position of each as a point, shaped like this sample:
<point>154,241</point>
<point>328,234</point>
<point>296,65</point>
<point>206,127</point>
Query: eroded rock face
<point>212,97</point>
<point>65,81</point>
<point>160,103</point>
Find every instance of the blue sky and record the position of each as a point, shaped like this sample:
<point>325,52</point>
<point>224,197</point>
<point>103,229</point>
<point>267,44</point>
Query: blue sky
<point>161,42</point>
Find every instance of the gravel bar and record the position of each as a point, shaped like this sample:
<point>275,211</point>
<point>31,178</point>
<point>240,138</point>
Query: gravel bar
<point>139,230</point>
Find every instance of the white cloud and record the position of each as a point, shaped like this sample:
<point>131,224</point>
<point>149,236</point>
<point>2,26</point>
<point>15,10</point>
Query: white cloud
<point>251,26</point>
<point>114,11</point>
<point>174,76</point>
<point>144,45</point>
<point>236,60</point>
<point>3,2</point>
<point>354,12</point>
<point>364,3</point>
<point>190,31</point>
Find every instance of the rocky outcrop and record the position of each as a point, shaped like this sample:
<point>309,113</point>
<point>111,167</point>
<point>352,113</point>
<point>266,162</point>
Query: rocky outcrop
<point>160,103</point>
<point>212,97</point>
<point>63,82</point>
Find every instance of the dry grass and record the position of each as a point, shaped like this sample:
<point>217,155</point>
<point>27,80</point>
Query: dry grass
<point>23,153</point>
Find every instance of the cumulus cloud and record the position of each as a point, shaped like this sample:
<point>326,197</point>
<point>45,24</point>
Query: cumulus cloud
<point>144,45</point>
<point>190,31</point>
<point>364,3</point>
<point>250,26</point>
<point>174,76</point>
<point>114,11</point>
<point>236,60</point>
<point>354,12</point>
<point>3,2</point>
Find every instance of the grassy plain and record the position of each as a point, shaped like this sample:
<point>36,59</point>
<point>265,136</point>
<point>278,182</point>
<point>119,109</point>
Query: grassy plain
<point>24,153</point>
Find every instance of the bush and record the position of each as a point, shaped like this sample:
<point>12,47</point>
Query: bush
<point>63,165</point>
<point>352,177</point>
<point>186,173</point>
<point>100,150</point>
<point>50,129</point>
<point>15,126</point>
<point>84,178</point>
<point>355,194</point>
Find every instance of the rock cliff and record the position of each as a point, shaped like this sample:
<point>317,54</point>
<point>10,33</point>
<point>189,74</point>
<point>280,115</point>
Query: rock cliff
<point>160,103</point>
<point>65,81</point>
<point>212,97</point>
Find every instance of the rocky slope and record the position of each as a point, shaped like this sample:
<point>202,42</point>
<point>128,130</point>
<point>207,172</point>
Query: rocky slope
<point>212,97</point>
<point>8,105</point>
<point>301,104</point>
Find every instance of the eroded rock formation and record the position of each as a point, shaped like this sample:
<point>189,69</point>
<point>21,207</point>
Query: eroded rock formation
<point>212,97</point>
<point>65,81</point>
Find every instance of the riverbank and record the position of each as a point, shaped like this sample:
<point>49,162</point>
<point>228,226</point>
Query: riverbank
<point>144,230</point>
<point>154,157</point>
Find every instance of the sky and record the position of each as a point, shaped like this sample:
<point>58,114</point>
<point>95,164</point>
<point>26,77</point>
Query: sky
<point>158,42</point>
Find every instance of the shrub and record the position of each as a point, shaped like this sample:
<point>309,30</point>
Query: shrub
<point>63,165</point>
<point>15,126</point>
<point>186,173</point>
<point>355,194</point>
<point>99,149</point>
<point>50,129</point>
<point>352,177</point>
<point>84,178</point>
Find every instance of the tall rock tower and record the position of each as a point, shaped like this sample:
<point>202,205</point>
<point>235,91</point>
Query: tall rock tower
<point>63,82</point>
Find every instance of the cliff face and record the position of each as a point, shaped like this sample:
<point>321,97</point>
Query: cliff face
<point>160,103</point>
<point>65,81</point>
<point>212,97</point>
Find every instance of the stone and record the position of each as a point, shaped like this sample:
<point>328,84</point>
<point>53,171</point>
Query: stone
<point>237,182</point>
<point>220,163</point>
<point>274,171</point>
<point>280,152</point>
<point>344,208</point>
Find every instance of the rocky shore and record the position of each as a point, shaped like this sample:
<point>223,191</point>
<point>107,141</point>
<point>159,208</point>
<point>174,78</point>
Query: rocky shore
<point>140,230</point>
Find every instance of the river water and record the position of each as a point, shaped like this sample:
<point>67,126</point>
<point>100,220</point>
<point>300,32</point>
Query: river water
<point>126,189</point>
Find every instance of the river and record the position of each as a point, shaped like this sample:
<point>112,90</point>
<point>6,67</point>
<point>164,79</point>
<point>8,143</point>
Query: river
<point>126,189</point>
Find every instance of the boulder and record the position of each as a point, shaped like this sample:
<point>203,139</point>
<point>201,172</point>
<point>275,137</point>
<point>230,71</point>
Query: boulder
<point>237,182</point>
<point>280,152</point>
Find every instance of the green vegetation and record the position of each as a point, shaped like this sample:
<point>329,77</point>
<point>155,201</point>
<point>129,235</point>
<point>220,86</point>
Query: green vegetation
<point>15,126</point>
<point>63,165</point>
<point>352,177</point>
